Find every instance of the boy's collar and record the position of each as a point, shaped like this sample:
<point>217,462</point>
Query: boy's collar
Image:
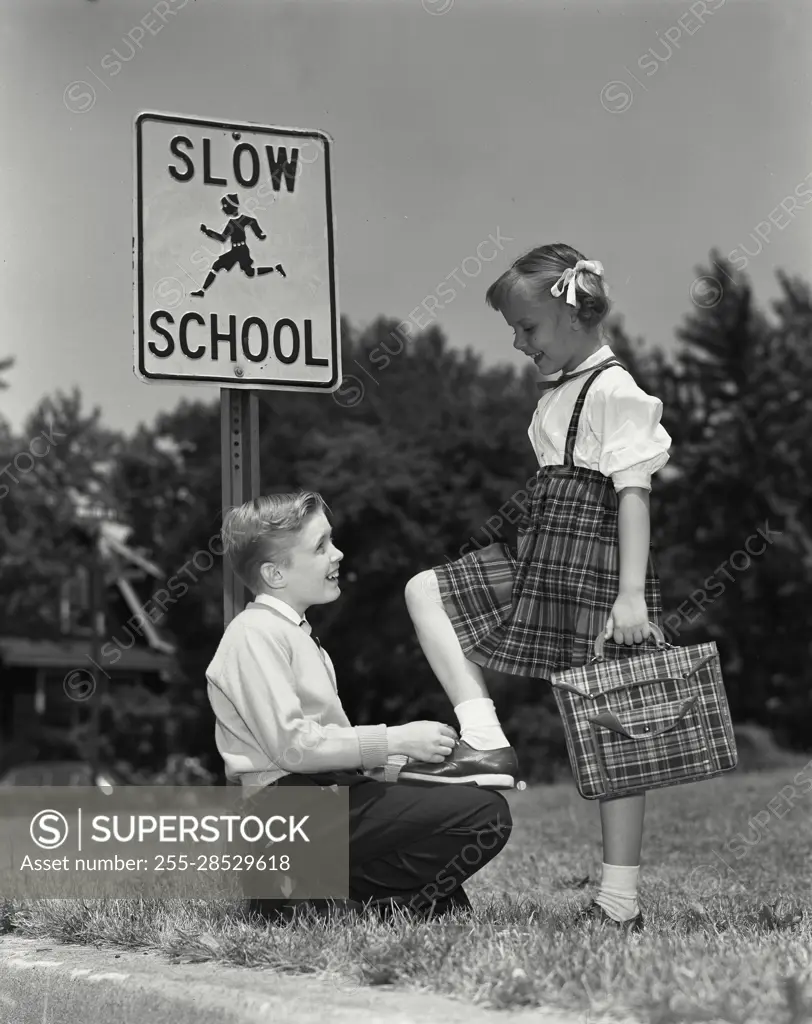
<point>281,607</point>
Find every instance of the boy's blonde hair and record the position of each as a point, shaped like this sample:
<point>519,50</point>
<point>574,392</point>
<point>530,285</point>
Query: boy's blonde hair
<point>264,530</point>
<point>542,267</point>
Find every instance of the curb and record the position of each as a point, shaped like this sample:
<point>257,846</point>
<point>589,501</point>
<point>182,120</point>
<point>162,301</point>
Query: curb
<point>44,982</point>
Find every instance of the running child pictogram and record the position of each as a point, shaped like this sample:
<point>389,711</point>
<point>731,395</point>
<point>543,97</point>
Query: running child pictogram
<point>239,252</point>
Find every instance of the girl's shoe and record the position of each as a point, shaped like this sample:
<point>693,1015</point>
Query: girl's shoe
<point>465,765</point>
<point>595,914</point>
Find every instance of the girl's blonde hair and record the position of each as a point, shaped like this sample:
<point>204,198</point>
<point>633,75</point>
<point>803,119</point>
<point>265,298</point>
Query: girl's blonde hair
<point>264,530</point>
<point>541,268</point>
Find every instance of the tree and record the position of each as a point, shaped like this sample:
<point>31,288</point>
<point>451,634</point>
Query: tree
<point>743,461</point>
<point>5,364</point>
<point>60,448</point>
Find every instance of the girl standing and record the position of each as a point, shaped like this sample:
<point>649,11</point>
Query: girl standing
<point>582,564</point>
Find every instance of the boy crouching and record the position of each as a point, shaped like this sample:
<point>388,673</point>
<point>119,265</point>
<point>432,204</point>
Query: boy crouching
<point>280,722</point>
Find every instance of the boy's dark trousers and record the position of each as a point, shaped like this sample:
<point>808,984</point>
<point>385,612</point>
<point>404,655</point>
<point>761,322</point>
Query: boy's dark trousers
<point>411,846</point>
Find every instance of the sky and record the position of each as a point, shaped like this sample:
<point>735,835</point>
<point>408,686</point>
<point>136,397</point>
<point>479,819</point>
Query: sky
<point>644,135</point>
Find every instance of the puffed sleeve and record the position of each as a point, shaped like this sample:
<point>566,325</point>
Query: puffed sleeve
<point>633,443</point>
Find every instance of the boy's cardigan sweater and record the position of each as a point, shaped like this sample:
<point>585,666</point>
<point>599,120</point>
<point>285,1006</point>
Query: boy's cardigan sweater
<point>273,692</point>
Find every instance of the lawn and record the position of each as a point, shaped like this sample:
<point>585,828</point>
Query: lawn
<point>725,885</point>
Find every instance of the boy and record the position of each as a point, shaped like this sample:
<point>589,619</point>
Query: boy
<point>268,669</point>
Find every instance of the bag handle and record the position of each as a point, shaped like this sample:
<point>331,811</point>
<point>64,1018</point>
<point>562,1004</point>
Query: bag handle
<point>656,632</point>
<point>608,720</point>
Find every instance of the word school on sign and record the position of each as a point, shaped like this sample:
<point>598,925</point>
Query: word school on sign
<point>255,339</point>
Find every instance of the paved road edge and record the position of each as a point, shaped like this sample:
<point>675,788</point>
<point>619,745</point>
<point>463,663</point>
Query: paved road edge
<point>44,982</point>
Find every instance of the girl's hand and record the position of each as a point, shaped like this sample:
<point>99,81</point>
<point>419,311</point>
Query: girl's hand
<point>628,621</point>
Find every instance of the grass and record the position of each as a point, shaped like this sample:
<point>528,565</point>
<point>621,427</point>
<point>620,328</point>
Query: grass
<point>727,940</point>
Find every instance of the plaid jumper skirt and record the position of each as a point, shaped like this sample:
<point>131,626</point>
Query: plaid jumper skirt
<point>538,607</point>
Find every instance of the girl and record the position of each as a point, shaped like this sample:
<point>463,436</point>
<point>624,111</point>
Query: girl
<point>582,563</point>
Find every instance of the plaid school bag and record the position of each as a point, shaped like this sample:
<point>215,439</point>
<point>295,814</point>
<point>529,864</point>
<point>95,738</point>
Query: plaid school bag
<point>657,718</point>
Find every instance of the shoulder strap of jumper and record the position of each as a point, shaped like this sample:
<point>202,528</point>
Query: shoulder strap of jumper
<point>572,432</point>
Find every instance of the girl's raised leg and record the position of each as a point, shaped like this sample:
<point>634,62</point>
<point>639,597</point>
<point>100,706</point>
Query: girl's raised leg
<point>462,680</point>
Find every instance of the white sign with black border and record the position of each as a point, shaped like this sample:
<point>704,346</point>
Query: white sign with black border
<point>233,255</point>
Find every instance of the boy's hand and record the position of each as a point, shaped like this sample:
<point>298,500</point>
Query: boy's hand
<point>423,741</point>
<point>628,621</point>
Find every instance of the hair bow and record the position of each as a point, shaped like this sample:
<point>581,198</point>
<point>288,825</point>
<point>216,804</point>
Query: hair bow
<point>568,279</point>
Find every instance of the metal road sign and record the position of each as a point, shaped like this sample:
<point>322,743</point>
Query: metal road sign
<point>233,256</point>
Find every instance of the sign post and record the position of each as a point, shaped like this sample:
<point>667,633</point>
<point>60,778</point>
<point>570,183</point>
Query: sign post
<point>239,445</point>
<point>234,275</point>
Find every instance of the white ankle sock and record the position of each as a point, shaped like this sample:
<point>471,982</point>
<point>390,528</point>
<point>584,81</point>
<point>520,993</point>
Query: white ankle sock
<point>479,726</point>
<point>618,891</point>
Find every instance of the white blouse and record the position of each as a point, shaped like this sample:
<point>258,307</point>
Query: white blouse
<point>619,433</point>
